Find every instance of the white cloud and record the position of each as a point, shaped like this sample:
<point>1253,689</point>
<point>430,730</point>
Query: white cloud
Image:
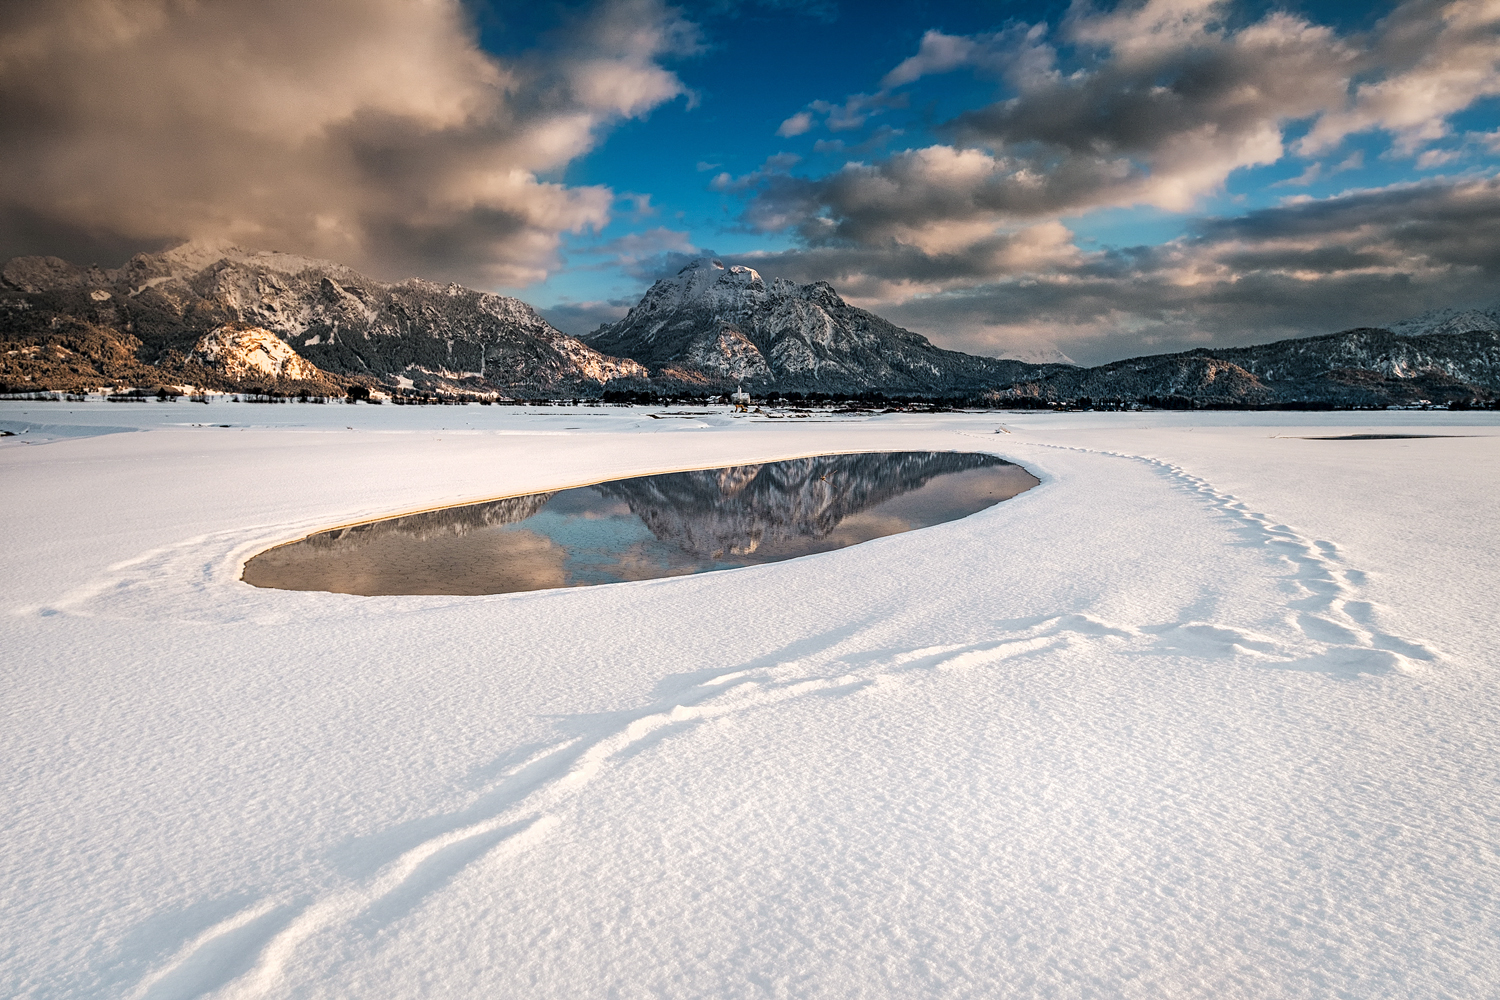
<point>938,53</point>
<point>847,116</point>
<point>1434,158</point>
<point>1019,54</point>
<point>775,166</point>
<point>1313,172</point>
<point>635,247</point>
<point>796,125</point>
<point>1431,58</point>
<point>1172,97</point>
<point>1174,103</point>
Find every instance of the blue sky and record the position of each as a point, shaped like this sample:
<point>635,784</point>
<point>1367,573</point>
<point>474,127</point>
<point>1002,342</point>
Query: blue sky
<point>1007,178</point>
<point>758,67</point>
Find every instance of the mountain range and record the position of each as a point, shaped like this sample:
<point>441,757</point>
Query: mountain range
<point>1363,367</point>
<point>221,317</point>
<point>201,314</point>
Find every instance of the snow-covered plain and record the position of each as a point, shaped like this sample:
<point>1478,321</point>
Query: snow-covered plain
<point>1212,712</point>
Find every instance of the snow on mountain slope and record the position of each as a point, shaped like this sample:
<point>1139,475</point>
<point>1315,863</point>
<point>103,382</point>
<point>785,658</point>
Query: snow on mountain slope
<point>1040,354</point>
<point>1444,321</point>
<point>433,335</point>
<point>1357,367</point>
<point>719,325</point>
<point>251,352</point>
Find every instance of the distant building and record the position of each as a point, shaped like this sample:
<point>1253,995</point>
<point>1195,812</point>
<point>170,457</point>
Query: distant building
<point>740,398</point>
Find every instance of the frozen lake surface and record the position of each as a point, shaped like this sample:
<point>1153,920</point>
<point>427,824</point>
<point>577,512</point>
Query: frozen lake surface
<point>1213,711</point>
<point>645,527</point>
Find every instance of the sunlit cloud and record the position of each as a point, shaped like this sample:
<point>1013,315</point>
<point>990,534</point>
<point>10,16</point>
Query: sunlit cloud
<point>375,132</point>
<point>635,247</point>
<point>1430,59</point>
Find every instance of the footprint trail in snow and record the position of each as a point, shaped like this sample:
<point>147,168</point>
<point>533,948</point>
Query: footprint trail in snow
<point>249,954</point>
<point>1343,631</point>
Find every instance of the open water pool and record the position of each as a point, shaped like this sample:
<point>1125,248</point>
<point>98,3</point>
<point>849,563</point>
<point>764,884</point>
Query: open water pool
<point>670,524</point>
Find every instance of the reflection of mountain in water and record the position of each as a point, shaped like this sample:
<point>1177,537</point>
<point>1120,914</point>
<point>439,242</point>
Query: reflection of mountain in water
<point>594,534</point>
<point>436,523</point>
<point>735,511</point>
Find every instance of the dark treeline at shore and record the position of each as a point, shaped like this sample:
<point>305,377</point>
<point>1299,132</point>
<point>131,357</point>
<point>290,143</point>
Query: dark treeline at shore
<point>865,402</point>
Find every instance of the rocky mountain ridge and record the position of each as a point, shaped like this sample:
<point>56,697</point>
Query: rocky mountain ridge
<point>1443,321</point>
<point>1363,367</point>
<point>717,326</point>
<point>415,333</point>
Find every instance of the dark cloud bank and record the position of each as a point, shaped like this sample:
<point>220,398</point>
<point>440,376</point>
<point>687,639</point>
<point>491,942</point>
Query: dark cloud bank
<point>1363,259</point>
<point>373,132</point>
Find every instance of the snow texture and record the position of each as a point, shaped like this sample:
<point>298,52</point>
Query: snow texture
<point>1211,712</point>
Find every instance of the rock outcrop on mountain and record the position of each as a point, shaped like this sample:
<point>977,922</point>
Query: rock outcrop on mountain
<point>158,307</point>
<point>1364,367</point>
<point>717,326</point>
<point>250,352</point>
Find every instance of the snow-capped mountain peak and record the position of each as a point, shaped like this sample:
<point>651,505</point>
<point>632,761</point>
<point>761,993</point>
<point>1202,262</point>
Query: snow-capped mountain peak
<point>706,279</point>
<point>1042,353</point>
<point>1441,321</point>
<point>712,324</point>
